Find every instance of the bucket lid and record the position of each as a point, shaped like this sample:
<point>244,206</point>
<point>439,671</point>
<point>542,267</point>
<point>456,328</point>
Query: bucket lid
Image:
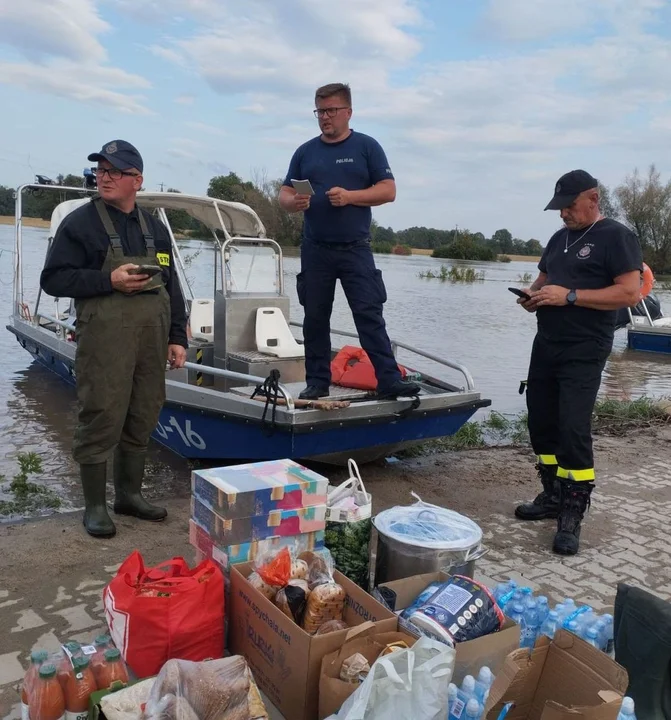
<point>428,526</point>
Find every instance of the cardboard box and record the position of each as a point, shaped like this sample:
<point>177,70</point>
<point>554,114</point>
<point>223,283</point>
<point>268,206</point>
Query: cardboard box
<point>227,555</point>
<point>285,660</point>
<point>491,650</point>
<point>278,523</point>
<point>241,491</point>
<point>562,679</point>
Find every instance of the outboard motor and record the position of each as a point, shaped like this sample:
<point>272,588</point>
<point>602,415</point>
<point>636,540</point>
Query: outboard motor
<point>653,305</point>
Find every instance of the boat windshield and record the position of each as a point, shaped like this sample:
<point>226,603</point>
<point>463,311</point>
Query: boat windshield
<point>252,269</point>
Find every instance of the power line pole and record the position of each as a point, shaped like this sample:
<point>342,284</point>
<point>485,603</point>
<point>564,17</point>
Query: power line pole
<point>161,184</point>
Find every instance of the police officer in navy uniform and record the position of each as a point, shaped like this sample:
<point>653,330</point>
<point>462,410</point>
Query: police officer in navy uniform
<point>349,174</point>
<point>589,269</point>
<point>128,325</point>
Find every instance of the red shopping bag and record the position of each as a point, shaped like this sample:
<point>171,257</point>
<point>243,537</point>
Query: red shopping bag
<point>168,611</point>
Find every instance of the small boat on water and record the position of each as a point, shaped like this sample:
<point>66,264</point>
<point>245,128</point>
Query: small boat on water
<point>241,339</point>
<point>648,329</point>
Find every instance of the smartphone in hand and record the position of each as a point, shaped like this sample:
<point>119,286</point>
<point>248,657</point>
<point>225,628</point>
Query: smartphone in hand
<point>150,270</point>
<point>520,293</point>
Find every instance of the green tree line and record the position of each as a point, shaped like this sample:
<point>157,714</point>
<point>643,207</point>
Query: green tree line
<point>642,201</point>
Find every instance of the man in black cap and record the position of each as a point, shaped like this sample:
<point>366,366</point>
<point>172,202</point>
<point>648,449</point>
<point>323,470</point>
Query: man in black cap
<point>589,269</point>
<point>129,323</point>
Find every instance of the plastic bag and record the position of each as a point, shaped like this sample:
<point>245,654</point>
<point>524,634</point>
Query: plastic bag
<point>332,626</point>
<point>409,683</point>
<point>429,526</point>
<point>320,566</point>
<point>216,690</point>
<point>274,568</point>
<point>327,598</point>
<point>292,599</point>
<point>348,528</point>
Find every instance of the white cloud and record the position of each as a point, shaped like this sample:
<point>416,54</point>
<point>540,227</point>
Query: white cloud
<point>253,109</point>
<point>164,53</point>
<point>66,58</point>
<point>94,84</point>
<point>61,28</point>
<point>185,99</point>
<point>205,128</point>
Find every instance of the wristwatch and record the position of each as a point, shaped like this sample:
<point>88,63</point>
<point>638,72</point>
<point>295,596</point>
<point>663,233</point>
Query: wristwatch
<point>571,297</point>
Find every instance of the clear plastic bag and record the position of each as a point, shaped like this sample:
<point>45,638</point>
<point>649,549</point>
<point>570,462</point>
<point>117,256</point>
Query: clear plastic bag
<point>429,526</point>
<point>327,598</point>
<point>214,690</point>
<point>292,599</point>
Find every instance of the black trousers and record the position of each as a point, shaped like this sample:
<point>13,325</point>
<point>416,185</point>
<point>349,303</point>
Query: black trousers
<point>354,266</point>
<point>562,386</point>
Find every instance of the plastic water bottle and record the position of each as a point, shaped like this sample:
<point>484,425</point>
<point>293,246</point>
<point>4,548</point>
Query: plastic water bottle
<point>468,687</point>
<point>600,626</point>
<point>473,710</point>
<point>452,692</point>
<point>592,637</point>
<point>627,709</point>
<point>573,627</point>
<point>543,608</point>
<point>585,621</point>
<point>550,624</point>
<point>569,607</point>
<point>530,626</point>
<point>485,681</point>
<point>609,634</point>
<point>517,613</point>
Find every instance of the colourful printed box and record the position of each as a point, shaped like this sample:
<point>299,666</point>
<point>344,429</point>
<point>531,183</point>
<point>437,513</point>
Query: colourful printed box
<point>279,523</point>
<point>227,555</point>
<point>241,491</point>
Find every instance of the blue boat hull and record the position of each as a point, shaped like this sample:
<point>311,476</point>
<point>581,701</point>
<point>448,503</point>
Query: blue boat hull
<point>199,435</point>
<point>649,342</point>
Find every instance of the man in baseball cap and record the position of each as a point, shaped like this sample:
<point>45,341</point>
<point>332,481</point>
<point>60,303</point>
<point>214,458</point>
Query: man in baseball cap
<point>121,154</point>
<point>568,187</point>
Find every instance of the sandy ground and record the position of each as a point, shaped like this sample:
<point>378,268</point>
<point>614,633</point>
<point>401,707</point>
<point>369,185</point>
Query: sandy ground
<point>52,573</point>
<point>29,221</point>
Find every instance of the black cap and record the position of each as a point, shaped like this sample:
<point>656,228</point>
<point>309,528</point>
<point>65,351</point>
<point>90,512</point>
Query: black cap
<point>121,154</point>
<point>568,188</point>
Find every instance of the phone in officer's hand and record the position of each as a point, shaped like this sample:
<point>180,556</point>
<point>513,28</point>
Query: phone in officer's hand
<point>150,270</point>
<point>520,293</point>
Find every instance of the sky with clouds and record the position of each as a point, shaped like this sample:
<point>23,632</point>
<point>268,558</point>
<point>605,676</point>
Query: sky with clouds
<point>479,104</point>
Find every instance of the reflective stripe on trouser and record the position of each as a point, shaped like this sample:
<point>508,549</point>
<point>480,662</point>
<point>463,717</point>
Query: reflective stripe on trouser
<point>562,386</point>
<point>547,459</point>
<point>586,475</point>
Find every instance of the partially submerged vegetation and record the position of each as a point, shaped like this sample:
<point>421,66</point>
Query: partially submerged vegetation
<point>29,497</point>
<point>455,273</point>
<point>611,417</point>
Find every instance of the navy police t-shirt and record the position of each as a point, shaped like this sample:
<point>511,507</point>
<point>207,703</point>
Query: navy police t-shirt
<point>355,163</point>
<point>592,261</point>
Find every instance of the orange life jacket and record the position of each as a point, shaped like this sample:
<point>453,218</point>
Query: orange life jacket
<point>352,368</point>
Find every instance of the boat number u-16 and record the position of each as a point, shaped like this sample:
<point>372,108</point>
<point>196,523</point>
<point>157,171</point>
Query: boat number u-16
<point>189,436</point>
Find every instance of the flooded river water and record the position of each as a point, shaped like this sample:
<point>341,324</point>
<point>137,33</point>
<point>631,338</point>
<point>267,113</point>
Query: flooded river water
<point>478,325</point>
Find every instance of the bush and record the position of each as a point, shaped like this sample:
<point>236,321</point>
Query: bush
<point>504,259</point>
<point>383,248</point>
<point>465,250</point>
<point>402,250</point>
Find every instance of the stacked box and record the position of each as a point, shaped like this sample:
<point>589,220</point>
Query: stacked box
<point>241,511</point>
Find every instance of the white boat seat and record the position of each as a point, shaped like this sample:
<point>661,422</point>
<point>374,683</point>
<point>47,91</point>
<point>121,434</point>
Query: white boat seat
<point>273,335</point>
<point>201,320</point>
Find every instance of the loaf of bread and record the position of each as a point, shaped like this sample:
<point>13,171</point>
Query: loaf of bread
<point>299,569</point>
<point>326,602</point>
<point>256,581</point>
<point>331,626</point>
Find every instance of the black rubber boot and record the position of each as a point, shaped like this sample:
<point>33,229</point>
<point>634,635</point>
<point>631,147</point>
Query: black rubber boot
<point>313,392</point>
<point>128,477</point>
<point>546,504</point>
<point>575,499</point>
<point>97,521</point>
<point>401,388</point>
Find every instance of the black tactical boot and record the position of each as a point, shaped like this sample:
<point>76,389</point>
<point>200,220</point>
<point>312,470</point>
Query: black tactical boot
<point>128,500</point>
<point>574,501</point>
<point>313,392</point>
<point>401,388</point>
<point>94,485</point>
<point>546,504</point>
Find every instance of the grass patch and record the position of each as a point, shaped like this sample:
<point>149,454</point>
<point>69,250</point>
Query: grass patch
<point>617,417</point>
<point>504,258</point>
<point>455,273</point>
<point>28,496</point>
<point>525,278</point>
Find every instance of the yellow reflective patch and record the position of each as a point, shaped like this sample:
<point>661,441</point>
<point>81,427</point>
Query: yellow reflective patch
<point>547,459</point>
<point>163,259</point>
<point>576,475</point>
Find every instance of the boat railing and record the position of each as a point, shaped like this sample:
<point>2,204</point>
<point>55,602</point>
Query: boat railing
<point>206,369</point>
<point>647,315</point>
<point>231,242</point>
<point>395,344</point>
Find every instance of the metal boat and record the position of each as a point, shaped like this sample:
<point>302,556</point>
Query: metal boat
<point>223,405</point>
<point>648,329</point>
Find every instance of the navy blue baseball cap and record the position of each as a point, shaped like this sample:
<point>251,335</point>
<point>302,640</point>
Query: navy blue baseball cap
<point>569,186</point>
<point>121,154</point>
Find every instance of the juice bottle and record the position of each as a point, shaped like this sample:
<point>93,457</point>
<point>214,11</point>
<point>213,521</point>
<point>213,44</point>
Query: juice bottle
<point>47,701</point>
<point>37,658</point>
<point>65,665</point>
<point>80,685</point>
<point>114,670</point>
<point>102,643</point>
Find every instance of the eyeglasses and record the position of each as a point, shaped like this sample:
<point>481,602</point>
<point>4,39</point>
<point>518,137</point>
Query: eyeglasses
<point>114,173</point>
<point>331,112</point>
